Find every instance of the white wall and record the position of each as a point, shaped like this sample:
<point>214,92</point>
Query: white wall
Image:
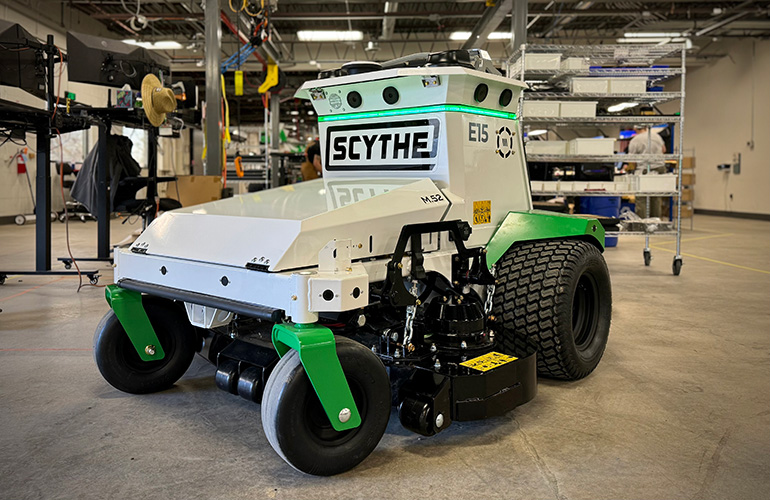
<point>40,18</point>
<point>719,101</point>
<point>14,192</point>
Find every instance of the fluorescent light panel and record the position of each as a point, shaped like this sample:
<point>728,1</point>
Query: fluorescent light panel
<point>329,36</point>
<point>621,106</point>
<point>536,132</point>
<point>495,35</point>
<point>160,45</point>
<point>653,35</point>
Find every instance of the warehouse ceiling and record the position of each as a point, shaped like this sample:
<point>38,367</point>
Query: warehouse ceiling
<point>393,29</point>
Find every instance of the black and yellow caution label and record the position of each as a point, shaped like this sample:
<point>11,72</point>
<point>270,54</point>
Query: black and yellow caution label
<point>488,361</point>
<point>482,212</point>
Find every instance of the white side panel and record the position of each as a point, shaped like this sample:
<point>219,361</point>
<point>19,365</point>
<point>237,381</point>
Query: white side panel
<point>373,225</point>
<point>243,285</point>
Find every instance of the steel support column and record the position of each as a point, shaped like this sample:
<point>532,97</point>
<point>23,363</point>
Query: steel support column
<point>213,53</point>
<point>275,133</point>
<point>489,21</point>
<point>519,23</point>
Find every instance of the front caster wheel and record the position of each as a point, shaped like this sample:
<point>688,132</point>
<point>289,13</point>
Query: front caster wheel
<point>297,426</point>
<point>647,257</point>
<point>121,366</point>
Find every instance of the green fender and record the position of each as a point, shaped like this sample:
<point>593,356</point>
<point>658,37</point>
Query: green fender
<point>541,225</point>
<point>128,307</point>
<point>317,351</point>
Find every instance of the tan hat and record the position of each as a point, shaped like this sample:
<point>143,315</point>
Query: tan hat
<point>156,100</point>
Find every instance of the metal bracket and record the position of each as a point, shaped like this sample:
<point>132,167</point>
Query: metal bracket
<point>394,289</point>
<point>128,307</point>
<point>318,353</point>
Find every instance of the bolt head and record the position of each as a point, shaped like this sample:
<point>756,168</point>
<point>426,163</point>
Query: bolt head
<point>433,348</point>
<point>437,365</point>
<point>463,345</point>
<point>361,321</point>
<point>344,415</point>
<point>396,353</point>
<point>150,350</point>
<point>394,336</point>
<point>439,420</point>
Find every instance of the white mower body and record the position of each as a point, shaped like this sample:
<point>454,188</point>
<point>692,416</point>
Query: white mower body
<point>436,153</point>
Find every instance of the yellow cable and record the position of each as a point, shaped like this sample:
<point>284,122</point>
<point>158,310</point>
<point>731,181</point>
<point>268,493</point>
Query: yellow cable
<point>227,111</point>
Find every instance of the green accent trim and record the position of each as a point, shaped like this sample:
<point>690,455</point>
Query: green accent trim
<point>541,225</point>
<point>318,354</point>
<point>127,305</point>
<point>441,108</point>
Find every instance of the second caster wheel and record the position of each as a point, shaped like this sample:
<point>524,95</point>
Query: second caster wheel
<point>295,422</point>
<point>647,257</point>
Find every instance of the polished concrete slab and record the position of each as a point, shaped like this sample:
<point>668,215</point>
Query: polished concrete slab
<point>678,408</point>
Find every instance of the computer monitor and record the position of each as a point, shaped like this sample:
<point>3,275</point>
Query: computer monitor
<point>21,65</point>
<point>101,61</point>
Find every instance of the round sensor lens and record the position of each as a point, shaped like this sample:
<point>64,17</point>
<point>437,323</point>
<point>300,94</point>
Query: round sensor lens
<point>390,95</point>
<point>354,99</point>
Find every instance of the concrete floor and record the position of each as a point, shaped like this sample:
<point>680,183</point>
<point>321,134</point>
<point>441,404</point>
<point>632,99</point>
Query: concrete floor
<point>679,408</point>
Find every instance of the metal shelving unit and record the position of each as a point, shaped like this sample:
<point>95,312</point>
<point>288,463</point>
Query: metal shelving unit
<point>637,60</point>
<point>600,158</point>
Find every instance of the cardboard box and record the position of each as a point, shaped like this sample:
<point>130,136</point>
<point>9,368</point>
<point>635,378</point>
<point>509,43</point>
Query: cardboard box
<point>196,189</point>
<point>688,162</point>
<point>687,211</point>
<point>687,195</point>
<point>688,179</point>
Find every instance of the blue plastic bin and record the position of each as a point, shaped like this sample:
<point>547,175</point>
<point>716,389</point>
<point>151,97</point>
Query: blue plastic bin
<point>608,206</point>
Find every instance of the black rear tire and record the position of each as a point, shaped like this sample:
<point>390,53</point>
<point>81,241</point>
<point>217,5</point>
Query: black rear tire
<point>120,364</point>
<point>297,427</point>
<point>555,295</point>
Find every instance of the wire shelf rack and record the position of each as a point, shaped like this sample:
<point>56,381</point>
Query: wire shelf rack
<point>639,119</point>
<point>601,158</point>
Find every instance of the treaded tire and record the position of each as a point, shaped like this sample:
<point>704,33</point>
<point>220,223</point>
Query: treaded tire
<point>299,430</point>
<point>555,295</point>
<point>121,366</point>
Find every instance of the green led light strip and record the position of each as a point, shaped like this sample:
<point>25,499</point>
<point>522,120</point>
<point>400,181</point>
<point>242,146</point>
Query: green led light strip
<point>456,108</point>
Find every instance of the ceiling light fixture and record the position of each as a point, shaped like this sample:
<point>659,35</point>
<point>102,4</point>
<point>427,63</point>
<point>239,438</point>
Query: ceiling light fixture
<point>640,34</point>
<point>495,35</point>
<point>533,133</point>
<point>621,106</point>
<point>329,36</point>
<point>160,45</point>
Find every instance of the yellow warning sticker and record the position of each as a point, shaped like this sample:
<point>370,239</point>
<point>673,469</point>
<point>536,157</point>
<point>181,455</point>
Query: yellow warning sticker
<point>482,212</point>
<point>488,361</point>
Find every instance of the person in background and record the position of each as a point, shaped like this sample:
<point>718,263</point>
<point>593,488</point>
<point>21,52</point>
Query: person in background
<point>648,142</point>
<point>311,167</point>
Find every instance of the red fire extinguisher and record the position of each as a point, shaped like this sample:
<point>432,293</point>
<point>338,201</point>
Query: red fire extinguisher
<point>21,166</point>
